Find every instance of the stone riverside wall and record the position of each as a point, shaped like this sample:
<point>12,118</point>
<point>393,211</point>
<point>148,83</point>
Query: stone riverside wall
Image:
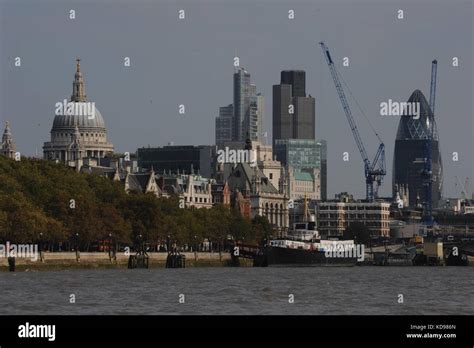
<point>101,259</point>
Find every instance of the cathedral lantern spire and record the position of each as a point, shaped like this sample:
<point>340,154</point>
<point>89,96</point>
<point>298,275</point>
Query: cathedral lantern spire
<point>78,88</point>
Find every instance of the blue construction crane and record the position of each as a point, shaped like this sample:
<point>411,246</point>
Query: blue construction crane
<point>427,172</point>
<point>375,170</point>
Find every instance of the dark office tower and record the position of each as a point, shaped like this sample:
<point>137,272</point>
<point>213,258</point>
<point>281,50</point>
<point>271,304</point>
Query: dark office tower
<point>303,119</point>
<point>297,80</point>
<point>282,120</point>
<point>185,159</point>
<point>293,112</point>
<point>409,155</point>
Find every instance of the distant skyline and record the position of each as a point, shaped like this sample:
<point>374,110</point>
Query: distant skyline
<point>190,62</point>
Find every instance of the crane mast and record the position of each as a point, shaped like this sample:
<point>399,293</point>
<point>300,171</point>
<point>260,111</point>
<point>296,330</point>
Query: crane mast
<point>375,171</point>
<point>464,193</point>
<point>427,173</point>
<point>434,73</point>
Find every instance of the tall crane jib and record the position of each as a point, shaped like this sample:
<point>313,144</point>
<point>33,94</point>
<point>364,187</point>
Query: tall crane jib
<point>375,170</point>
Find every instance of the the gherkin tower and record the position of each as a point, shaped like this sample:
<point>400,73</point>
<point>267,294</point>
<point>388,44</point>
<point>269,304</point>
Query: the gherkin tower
<point>409,157</point>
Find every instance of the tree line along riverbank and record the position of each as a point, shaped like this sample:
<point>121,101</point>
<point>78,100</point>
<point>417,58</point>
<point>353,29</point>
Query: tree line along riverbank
<point>52,205</point>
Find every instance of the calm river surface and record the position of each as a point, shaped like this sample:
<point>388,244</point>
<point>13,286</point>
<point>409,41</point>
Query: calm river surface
<point>344,290</point>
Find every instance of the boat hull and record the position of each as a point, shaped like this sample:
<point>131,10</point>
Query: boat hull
<point>288,257</point>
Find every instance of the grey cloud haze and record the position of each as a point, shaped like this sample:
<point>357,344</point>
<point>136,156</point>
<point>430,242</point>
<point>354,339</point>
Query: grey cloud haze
<point>190,62</point>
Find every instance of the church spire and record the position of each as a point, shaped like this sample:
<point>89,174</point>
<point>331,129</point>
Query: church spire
<point>78,88</point>
<point>7,134</point>
<point>7,146</point>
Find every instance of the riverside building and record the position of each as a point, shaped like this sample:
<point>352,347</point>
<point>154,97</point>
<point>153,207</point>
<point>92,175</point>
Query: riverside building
<point>334,217</point>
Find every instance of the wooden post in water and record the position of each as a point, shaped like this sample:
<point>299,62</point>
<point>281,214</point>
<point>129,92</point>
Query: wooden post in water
<point>11,264</point>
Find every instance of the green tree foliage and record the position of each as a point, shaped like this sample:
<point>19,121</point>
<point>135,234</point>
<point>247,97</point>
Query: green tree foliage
<point>261,228</point>
<point>36,199</point>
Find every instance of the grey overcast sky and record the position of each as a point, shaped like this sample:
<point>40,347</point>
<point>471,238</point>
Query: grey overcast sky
<point>190,62</point>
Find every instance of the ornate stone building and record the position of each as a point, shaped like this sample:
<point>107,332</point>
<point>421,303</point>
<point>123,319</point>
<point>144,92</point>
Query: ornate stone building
<point>220,193</point>
<point>304,183</point>
<point>77,135</point>
<point>142,182</point>
<point>7,147</point>
<point>254,194</point>
<point>192,190</point>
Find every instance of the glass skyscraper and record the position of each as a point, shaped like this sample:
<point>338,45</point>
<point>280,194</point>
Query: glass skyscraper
<point>409,154</point>
<point>244,118</point>
<point>247,115</point>
<point>304,154</point>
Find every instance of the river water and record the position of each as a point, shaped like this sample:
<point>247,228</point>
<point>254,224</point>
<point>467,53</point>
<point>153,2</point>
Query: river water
<point>319,290</point>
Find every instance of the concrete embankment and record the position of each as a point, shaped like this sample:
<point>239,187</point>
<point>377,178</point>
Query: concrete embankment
<point>69,260</point>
